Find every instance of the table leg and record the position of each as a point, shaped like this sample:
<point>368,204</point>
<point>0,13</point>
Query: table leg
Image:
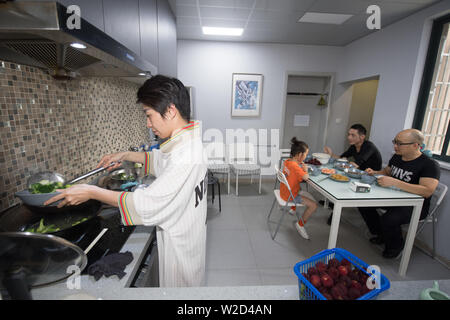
<point>410,239</point>
<point>332,239</point>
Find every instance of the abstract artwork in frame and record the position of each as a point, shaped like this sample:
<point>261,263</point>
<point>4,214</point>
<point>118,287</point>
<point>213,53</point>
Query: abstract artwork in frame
<point>246,95</point>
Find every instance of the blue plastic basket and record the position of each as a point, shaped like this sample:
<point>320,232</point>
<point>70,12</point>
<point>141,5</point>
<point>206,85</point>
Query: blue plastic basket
<point>308,292</point>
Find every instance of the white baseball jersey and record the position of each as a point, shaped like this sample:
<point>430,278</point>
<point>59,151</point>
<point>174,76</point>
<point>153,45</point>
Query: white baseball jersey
<point>176,204</point>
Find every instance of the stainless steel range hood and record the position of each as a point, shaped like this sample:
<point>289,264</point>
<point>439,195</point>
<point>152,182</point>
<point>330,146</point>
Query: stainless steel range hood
<point>36,34</point>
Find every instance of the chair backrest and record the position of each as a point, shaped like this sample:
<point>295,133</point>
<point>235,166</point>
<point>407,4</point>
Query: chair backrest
<point>284,154</point>
<point>241,153</point>
<point>437,197</point>
<point>282,178</point>
<point>215,151</point>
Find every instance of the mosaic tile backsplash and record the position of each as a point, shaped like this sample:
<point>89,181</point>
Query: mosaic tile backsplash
<point>62,126</point>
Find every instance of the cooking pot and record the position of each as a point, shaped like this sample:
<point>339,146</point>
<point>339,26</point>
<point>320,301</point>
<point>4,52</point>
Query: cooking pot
<point>72,221</point>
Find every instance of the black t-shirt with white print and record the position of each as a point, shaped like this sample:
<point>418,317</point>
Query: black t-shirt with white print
<point>412,171</point>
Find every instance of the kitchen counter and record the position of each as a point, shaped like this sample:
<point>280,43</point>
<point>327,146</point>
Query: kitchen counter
<point>113,288</point>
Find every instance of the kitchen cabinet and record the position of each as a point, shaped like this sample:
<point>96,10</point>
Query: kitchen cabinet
<point>122,22</point>
<point>148,21</point>
<point>167,39</point>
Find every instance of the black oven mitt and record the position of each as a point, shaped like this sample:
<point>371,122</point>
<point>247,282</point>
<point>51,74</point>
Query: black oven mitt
<point>111,264</point>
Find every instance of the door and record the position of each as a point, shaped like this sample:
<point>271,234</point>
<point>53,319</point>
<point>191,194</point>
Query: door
<point>363,103</point>
<point>304,117</point>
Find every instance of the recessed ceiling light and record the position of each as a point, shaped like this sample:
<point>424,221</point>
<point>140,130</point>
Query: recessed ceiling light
<point>222,31</point>
<point>78,45</point>
<point>327,18</point>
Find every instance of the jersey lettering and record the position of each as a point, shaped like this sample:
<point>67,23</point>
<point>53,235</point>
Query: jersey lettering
<point>200,190</point>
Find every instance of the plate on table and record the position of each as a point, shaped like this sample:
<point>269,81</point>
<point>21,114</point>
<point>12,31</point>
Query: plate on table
<point>328,171</point>
<point>339,178</point>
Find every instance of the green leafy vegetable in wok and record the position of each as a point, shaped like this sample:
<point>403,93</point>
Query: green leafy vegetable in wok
<point>124,176</point>
<point>45,186</point>
<point>42,228</point>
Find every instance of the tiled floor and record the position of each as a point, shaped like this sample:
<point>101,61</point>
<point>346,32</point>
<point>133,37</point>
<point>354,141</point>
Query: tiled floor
<point>240,251</point>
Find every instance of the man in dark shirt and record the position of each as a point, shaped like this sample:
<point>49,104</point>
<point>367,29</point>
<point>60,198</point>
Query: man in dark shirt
<point>361,153</point>
<point>408,170</point>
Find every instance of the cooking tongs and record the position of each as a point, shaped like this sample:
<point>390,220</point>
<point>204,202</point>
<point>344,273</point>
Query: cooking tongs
<point>90,173</point>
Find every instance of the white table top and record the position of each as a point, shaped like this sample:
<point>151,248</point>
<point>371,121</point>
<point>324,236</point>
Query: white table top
<point>342,191</point>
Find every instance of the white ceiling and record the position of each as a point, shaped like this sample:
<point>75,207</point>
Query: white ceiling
<point>275,21</point>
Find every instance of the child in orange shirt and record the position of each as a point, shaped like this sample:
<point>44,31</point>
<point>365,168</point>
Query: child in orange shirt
<point>296,171</point>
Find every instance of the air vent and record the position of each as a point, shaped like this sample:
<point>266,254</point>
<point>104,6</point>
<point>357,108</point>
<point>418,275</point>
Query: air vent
<point>52,54</point>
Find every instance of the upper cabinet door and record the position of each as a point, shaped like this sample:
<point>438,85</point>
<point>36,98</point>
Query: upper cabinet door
<point>91,11</point>
<point>148,18</point>
<point>122,22</point>
<point>167,40</point>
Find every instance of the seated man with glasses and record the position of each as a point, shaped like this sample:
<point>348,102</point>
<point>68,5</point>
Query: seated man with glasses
<point>409,170</point>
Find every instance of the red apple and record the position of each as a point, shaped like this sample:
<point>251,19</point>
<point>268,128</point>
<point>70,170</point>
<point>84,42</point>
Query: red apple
<point>337,293</point>
<point>326,280</point>
<point>343,270</point>
<point>356,284</point>
<point>334,273</point>
<point>312,271</point>
<point>315,280</point>
<point>321,267</point>
<point>346,280</point>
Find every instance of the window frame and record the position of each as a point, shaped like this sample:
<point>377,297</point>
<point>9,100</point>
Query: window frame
<point>427,78</point>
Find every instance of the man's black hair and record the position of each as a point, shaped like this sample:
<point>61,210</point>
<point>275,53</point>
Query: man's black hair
<point>159,92</point>
<point>360,128</point>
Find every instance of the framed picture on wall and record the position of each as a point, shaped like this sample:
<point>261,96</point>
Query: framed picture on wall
<point>246,95</point>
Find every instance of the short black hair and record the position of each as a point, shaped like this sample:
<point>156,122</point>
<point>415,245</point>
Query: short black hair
<point>160,91</point>
<point>298,147</point>
<point>360,128</point>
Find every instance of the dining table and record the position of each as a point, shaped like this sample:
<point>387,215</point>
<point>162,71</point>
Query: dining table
<point>341,195</point>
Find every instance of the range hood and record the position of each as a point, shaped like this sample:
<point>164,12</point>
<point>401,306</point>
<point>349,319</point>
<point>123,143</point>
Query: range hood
<point>36,33</point>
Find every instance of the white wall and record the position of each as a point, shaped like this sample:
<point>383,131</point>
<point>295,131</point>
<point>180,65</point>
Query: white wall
<point>208,67</point>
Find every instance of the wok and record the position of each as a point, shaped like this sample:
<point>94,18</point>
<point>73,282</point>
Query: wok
<point>21,218</point>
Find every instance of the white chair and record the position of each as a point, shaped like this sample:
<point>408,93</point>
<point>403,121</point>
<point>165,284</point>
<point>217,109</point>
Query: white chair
<point>242,159</point>
<point>284,154</point>
<point>217,162</point>
<point>284,205</point>
<point>433,212</point>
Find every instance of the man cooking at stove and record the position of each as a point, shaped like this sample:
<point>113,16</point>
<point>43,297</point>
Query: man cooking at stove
<point>176,201</point>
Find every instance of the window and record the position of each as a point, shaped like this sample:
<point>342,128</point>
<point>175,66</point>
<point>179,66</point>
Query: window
<point>433,109</point>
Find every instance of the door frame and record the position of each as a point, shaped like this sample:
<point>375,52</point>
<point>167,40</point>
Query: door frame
<point>331,75</point>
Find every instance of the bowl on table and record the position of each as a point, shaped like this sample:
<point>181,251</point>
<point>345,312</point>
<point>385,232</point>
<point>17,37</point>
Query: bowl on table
<point>313,170</point>
<point>354,173</point>
<point>343,165</point>
<point>322,157</point>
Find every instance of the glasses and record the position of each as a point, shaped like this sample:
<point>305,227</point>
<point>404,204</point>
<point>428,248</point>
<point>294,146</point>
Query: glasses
<point>398,143</point>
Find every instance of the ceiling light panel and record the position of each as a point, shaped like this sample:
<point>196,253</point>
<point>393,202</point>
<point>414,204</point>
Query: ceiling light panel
<point>324,18</point>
